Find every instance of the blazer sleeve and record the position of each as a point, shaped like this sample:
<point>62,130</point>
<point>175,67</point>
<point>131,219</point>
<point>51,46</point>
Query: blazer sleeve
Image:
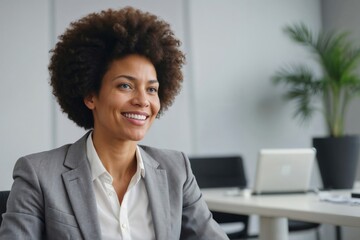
<point>197,221</point>
<point>24,216</point>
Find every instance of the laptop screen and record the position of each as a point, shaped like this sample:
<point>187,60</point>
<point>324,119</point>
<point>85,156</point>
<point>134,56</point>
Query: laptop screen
<point>284,170</point>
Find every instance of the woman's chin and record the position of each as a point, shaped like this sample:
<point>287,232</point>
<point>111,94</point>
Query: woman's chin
<point>137,137</point>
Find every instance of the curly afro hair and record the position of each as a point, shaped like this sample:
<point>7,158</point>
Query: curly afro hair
<point>86,49</point>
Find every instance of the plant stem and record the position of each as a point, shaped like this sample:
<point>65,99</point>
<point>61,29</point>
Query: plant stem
<point>336,102</point>
<point>327,108</point>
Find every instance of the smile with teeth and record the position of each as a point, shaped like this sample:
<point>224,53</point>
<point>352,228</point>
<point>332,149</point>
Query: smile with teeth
<point>135,116</point>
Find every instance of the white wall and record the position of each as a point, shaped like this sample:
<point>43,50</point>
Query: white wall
<point>236,46</point>
<point>24,92</point>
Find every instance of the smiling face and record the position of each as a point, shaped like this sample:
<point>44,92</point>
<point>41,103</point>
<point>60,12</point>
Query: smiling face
<point>128,100</point>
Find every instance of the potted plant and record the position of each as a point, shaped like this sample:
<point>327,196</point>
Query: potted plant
<point>337,85</point>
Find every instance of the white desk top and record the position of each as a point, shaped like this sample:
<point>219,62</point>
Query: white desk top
<point>306,207</point>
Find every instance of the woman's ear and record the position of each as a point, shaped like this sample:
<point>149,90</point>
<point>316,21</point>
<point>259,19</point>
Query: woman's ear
<point>89,101</point>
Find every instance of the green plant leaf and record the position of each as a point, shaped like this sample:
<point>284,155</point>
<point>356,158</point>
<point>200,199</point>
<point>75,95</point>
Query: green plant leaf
<point>339,82</point>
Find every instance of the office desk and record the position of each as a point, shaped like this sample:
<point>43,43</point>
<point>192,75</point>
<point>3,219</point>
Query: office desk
<point>274,210</point>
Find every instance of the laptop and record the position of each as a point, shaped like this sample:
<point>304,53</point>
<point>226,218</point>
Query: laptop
<point>284,170</point>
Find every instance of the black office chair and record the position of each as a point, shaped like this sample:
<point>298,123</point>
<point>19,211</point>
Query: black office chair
<point>228,171</point>
<point>4,195</point>
<point>295,225</point>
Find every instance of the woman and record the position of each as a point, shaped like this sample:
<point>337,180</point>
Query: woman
<point>112,72</point>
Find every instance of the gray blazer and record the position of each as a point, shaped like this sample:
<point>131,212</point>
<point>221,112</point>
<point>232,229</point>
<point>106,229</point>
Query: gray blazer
<point>53,198</point>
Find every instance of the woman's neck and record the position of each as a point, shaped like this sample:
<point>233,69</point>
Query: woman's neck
<point>118,157</point>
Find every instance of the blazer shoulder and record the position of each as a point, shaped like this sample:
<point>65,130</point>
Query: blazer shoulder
<point>51,157</point>
<point>48,154</point>
<point>160,151</point>
<point>175,162</point>
<point>58,155</point>
<point>163,155</point>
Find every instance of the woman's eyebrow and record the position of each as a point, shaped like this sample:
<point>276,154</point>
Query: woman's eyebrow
<point>153,81</point>
<point>124,76</point>
<point>131,78</point>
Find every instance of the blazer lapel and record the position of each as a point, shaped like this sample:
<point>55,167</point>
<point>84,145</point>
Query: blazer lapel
<point>158,192</point>
<point>78,184</point>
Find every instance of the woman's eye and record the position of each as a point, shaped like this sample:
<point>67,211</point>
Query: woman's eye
<point>124,86</point>
<point>153,90</point>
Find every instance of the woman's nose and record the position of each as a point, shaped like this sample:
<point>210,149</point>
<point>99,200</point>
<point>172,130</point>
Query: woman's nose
<point>140,99</point>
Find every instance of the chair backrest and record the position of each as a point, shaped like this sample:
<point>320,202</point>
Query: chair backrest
<point>222,171</point>
<point>219,171</point>
<point>4,195</point>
